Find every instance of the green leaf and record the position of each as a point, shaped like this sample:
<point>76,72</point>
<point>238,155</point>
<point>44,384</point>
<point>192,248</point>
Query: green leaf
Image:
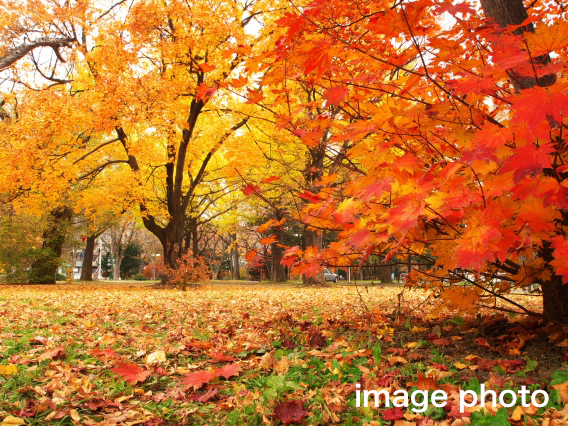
<point>531,364</point>
<point>499,419</point>
<point>458,321</point>
<point>377,351</point>
<point>279,383</point>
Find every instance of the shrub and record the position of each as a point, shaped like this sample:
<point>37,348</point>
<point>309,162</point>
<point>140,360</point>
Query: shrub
<point>190,270</point>
<point>139,277</point>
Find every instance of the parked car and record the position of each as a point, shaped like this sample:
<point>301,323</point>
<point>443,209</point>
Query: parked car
<point>330,276</point>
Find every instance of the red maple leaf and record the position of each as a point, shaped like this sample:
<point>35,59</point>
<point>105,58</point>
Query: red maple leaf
<point>57,353</point>
<point>395,413</point>
<point>335,95</point>
<point>358,238</point>
<point>292,253</point>
<point>268,240</point>
<point>290,412</point>
<point>109,353</point>
<point>250,255</point>
<point>254,96</point>
<point>560,261</point>
<point>529,159</point>
<point>486,364</point>
<point>130,372</point>
<point>220,357</point>
<point>198,379</point>
<point>551,106</point>
<point>251,189</point>
<point>440,367</point>
<point>375,189</point>
<point>205,67</point>
<point>270,179</point>
<point>454,9</point>
<point>473,84</point>
<point>211,394</point>
<point>309,196</point>
<point>318,58</point>
<point>204,92</point>
<point>228,370</point>
<point>454,411</point>
<point>441,342</point>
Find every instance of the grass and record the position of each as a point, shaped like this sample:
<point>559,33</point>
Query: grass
<point>291,344</point>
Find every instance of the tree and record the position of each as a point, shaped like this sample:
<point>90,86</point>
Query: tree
<point>131,260</point>
<point>118,238</point>
<point>452,165</point>
<point>145,93</point>
<point>46,261</point>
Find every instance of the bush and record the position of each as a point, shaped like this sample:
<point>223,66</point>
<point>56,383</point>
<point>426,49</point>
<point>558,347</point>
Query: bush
<point>139,277</point>
<point>60,277</point>
<point>190,270</point>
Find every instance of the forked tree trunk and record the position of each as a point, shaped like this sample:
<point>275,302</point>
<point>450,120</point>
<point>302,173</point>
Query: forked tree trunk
<point>43,269</point>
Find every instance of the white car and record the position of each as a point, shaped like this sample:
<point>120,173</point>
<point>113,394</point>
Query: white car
<point>330,276</point>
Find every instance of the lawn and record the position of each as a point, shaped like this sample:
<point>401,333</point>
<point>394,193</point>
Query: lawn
<point>263,354</point>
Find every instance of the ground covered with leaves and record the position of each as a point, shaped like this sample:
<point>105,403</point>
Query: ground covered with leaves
<point>84,354</point>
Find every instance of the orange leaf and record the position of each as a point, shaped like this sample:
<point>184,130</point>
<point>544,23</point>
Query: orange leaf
<point>198,379</point>
<point>130,372</point>
<point>268,240</point>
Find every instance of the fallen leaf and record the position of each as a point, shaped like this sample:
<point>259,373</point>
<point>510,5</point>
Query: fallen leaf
<point>130,372</point>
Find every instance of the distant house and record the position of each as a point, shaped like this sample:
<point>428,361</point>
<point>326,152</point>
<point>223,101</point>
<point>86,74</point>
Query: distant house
<point>74,260</point>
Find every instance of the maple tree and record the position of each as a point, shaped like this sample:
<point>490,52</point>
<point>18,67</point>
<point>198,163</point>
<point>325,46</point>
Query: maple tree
<point>132,97</point>
<point>456,157</point>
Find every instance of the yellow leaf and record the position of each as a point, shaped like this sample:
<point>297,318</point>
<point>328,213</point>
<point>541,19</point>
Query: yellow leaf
<point>459,365</point>
<point>8,370</point>
<point>155,357</point>
<point>11,420</point>
<point>74,415</point>
<point>517,414</point>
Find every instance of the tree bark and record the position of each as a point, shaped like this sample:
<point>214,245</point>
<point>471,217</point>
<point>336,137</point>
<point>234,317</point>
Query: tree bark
<point>87,269</point>
<point>13,55</point>
<point>555,299</point>
<point>235,269</point>
<point>554,292</point>
<point>43,269</point>
<point>385,274</point>
<point>313,239</point>
<point>278,270</point>
<point>513,12</point>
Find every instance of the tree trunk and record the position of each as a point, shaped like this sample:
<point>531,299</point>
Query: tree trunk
<point>43,269</point>
<point>385,274</point>
<point>313,239</point>
<point>87,269</point>
<point>555,299</point>
<point>278,270</point>
<point>554,292</point>
<point>512,12</point>
<point>116,268</point>
<point>235,270</point>
<point>194,241</point>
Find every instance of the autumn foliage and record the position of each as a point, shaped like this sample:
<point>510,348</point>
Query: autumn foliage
<point>453,133</point>
<point>190,269</point>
